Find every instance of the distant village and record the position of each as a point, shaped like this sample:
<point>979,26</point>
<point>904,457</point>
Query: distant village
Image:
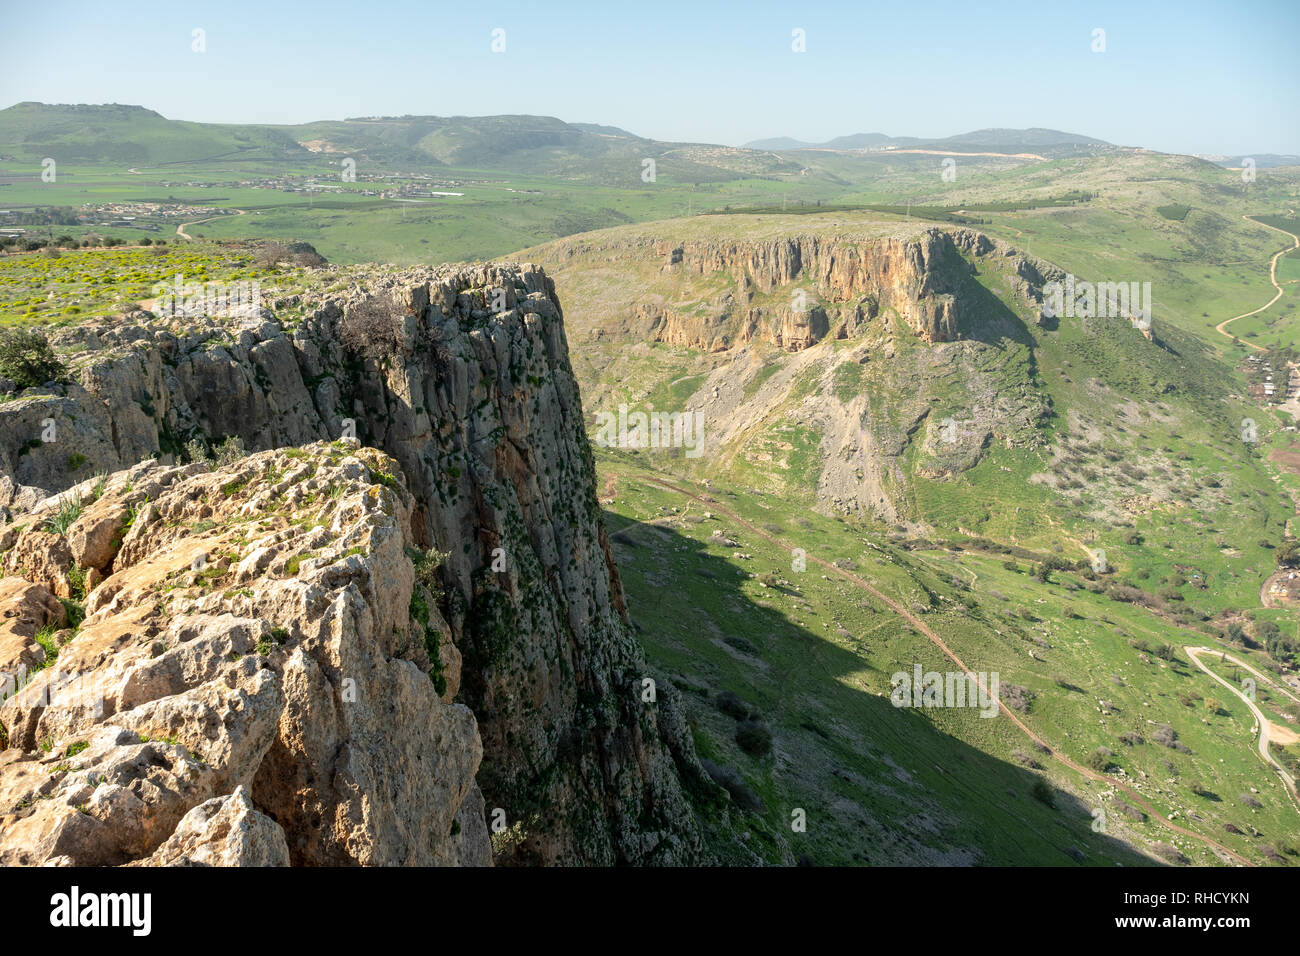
<point>159,216</point>
<point>1268,385</point>
<point>145,216</point>
<point>387,185</point>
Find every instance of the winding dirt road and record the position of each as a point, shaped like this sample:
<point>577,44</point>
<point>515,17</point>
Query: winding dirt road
<point>1222,327</point>
<point>1264,725</point>
<point>180,229</point>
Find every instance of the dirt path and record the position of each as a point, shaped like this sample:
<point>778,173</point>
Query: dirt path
<point>1222,327</point>
<point>1265,725</point>
<point>180,229</point>
<point>938,642</point>
<point>1264,678</point>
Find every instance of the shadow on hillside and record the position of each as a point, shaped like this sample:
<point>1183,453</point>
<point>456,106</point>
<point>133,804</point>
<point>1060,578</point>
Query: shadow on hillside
<point>987,319</point>
<point>880,785</point>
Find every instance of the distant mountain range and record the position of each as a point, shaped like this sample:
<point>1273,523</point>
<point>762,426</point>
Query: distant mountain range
<point>114,134</point>
<point>1035,140</point>
<point>1262,160</point>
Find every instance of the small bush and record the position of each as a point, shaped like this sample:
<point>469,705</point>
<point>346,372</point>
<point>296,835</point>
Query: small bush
<point>730,704</point>
<point>230,451</point>
<point>1170,854</point>
<point>26,358</point>
<point>734,784</point>
<point>1016,697</point>
<point>754,737</point>
<point>1099,760</point>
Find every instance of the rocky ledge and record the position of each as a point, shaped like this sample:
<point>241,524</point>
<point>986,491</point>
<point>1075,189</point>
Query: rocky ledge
<point>461,374</point>
<point>255,680</point>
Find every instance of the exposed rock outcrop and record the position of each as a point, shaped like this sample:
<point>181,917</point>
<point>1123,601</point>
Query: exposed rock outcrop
<point>788,329</point>
<point>917,277</point>
<point>481,413</point>
<point>248,686</point>
<point>880,407</point>
<point>787,289</point>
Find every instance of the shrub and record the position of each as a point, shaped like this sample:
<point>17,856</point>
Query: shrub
<point>1016,697</point>
<point>1099,760</point>
<point>367,329</point>
<point>1042,792</point>
<point>230,451</point>
<point>26,358</point>
<point>1170,854</point>
<point>754,737</point>
<point>730,704</point>
<point>740,643</point>
<point>734,784</point>
<point>1168,737</point>
<point>1025,759</point>
<point>1132,812</point>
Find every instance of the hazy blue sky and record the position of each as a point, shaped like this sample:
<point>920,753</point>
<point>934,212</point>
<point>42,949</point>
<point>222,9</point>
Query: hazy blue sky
<point>1179,76</point>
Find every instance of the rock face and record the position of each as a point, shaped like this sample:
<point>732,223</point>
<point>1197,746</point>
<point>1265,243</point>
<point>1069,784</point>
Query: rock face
<point>248,686</point>
<point>462,376</point>
<point>224,831</point>
<point>917,277</point>
<point>784,290</point>
<point>931,367</point>
<point>786,328</point>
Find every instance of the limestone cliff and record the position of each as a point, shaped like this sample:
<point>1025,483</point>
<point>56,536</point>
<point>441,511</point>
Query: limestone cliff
<point>248,686</point>
<point>462,376</point>
<point>915,276</point>
<point>906,350</point>
<point>783,289</point>
<point>919,277</point>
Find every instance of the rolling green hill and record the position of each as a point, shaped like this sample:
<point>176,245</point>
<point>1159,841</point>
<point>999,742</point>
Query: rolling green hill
<point>98,135</point>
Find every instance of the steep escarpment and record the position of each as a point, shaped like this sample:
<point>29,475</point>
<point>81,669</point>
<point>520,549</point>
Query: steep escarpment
<point>462,376</point>
<point>716,293</point>
<point>843,361</point>
<point>915,276</point>
<point>248,685</point>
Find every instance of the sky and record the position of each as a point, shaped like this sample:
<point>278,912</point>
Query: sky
<point>1188,77</point>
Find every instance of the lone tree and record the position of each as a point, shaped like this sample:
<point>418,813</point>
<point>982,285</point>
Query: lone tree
<point>26,358</point>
